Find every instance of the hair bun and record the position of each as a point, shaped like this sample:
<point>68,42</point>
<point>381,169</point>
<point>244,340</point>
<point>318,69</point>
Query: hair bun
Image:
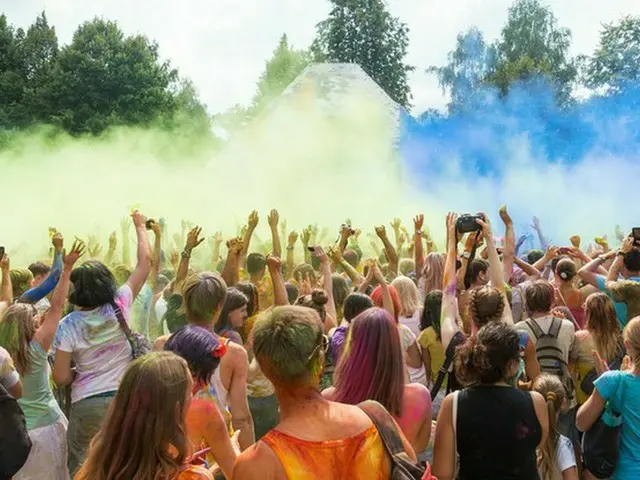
<point>319,297</point>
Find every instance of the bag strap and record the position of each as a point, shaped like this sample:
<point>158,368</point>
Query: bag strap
<point>385,425</point>
<point>444,369</point>
<point>535,328</point>
<point>554,329</point>
<point>123,325</point>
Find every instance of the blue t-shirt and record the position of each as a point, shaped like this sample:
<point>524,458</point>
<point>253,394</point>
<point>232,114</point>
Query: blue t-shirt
<point>621,307</point>
<point>622,389</point>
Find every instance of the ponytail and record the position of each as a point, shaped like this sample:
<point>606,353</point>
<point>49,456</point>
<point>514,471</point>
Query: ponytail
<point>554,393</point>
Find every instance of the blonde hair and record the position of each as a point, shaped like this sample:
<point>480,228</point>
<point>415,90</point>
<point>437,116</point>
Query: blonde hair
<point>602,323</point>
<point>204,297</point>
<point>554,393</point>
<point>432,273</point>
<point>143,436</point>
<point>409,295</point>
<point>632,338</point>
<point>17,327</point>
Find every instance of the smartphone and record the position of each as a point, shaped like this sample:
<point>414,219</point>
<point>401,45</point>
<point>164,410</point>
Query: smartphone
<point>635,232</point>
<point>1,252</point>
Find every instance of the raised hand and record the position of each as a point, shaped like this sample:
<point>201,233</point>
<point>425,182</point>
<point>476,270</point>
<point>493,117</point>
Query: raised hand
<point>217,238</point>
<point>602,241</point>
<point>292,239</point>
<point>113,241</point>
<point>396,224</point>
<point>253,220</point>
<point>139,220</point>
<point>346,231</point>
<point>335,255</point>
<point>5,265</point>
<point>125,225</point>
<point>504,216</point>
<point>274,263</point>
<point>627,245</point>
<point>273,218</point>
<point>535,223</point>
<point>193,238</point>
<point>322,256</point>
<point>70,259</point>
<point>485,224</point>
<point>418,222</point>
<point>575,240</point>
<point>381,232</point>
<point>57,241</point>
<point>306,236</point>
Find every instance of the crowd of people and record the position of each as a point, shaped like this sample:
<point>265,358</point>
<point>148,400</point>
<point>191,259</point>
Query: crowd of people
<point>195,361</point>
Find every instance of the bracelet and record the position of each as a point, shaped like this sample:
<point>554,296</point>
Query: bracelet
<point>290,247</point>
<point>185,254</point>
<point>418,232</point>
<point>620,253</point>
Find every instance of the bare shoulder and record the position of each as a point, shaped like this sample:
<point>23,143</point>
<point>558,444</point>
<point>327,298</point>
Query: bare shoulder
<point>328,393</point>
<point>237,353</point>
<point>258,462</point>
<point>538,400</point>
<point>158,345</point>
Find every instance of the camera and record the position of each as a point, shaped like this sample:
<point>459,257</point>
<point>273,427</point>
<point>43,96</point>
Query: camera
<point>467,223</point>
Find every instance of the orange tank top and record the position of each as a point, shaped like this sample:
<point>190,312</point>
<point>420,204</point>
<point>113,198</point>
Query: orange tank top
<point>360,456</point>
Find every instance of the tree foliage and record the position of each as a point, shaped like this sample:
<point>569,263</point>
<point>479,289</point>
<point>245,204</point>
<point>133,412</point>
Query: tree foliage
<point>103,78</point>
<point>365,33</point>
<point>616,61</point>
<point>532,43</point>
<point>466,70</point>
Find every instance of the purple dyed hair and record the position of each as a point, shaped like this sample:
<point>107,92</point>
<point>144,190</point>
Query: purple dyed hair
<point>372,366</point>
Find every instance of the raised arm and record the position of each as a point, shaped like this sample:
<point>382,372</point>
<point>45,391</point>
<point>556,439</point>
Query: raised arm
<point>495,267</point>
<point>544,244</point>
<point>143,266</point>
<point>231,270</point>
<point>529,270</point>
<point>273,219</point>
<point>155,255</point>
<point>193,240</point>
<point>593,270</point>
<point>337,258</point>
<point>392,255</point>
<point>449,325</point>
<point>327,285</point>
<point>35,294</point>
<point>418,247</point>
<point>345,233</point>
<point>280,296</point>
<point>614,271</point>
<point>509,251</point>
<point>111,251</point>
<point>6,293</point>
<point>125,226</point>
<point>306,238</point>
<point>291,253</point>
<point>47,330</point>
<point>252,223</point>
<point>216,241</point>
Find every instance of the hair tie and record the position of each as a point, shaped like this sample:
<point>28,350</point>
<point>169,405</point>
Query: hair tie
<point>564,275</point>
<point>219,350</point>
<point>551,397</point>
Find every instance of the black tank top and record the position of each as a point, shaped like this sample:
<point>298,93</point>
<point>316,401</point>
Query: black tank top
<point>497,434</point>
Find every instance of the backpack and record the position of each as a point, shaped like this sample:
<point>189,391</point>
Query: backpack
<point>452,383</point>
<point>549,353</point>
<point>402,467</point>
<point>15,443</point>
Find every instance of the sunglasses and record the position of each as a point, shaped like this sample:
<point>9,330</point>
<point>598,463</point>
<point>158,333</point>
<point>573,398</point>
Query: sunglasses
<point>324,344</point>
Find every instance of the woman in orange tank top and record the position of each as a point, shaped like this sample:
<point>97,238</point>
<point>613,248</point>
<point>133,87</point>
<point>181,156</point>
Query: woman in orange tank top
<point>315,438</point>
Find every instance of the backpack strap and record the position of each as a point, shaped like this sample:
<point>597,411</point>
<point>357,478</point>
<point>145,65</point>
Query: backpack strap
<point>535,328</point>
<point>385,425</point>
<point>457,339</point>
<point>554,329</point>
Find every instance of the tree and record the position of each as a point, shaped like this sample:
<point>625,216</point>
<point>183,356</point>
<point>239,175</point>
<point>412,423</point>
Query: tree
<point>39,51</point>
<point>365,33</point>
<point>464,74</point>
<point>280,70</point>
<point>104,79</point>
<point>616,61</point>
<point>533,44</point>
<point>12,113</point>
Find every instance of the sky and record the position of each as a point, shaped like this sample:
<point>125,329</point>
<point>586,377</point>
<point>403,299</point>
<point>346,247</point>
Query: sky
<point>222,45</point>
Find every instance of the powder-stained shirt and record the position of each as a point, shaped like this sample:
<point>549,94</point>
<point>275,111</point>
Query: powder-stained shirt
<point>98,346</point>
<point>8,374</point>
<point>622,308</point>
<point>627,292</point>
